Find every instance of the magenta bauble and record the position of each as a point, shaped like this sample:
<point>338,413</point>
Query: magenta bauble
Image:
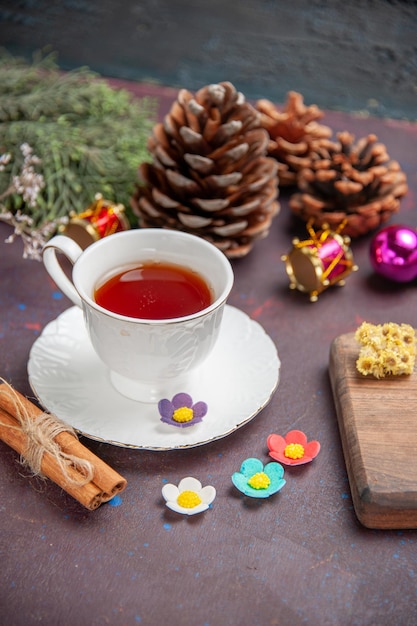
<point>393,253</point>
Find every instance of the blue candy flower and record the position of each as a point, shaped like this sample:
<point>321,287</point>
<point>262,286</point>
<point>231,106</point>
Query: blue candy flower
<point>257,481</point>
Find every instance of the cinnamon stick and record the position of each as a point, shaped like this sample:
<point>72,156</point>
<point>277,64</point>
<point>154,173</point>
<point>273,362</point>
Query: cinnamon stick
<point>105,477</point>
<point>105,482</point>
<point>89,495</point>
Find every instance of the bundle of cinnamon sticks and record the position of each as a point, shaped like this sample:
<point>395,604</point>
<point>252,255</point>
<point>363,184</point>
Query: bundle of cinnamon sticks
<point>61,456</point>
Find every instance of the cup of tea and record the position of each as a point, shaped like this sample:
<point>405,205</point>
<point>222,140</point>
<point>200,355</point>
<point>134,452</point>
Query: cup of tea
<point>152,301</point>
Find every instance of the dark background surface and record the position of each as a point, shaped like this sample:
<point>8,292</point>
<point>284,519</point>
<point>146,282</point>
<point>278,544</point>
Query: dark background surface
<point>300,557</point>
<point>359,55</point>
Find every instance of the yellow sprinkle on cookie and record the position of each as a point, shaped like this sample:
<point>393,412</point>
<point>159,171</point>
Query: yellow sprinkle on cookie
<point>386,349</point>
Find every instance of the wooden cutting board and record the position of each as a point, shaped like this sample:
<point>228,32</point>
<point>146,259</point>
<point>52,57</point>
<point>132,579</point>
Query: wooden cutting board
<point>378,426</point>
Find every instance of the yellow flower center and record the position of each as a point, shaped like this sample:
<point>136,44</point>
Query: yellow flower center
<point>259,481</point>
<point>189,499</point>
<point>294,451</point>
<point>183,414</point>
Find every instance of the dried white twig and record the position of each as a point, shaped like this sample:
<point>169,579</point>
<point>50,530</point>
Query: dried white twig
<point>28,184</point>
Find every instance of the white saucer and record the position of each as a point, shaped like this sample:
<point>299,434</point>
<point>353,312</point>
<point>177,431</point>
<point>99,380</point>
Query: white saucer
<point>237,382</point>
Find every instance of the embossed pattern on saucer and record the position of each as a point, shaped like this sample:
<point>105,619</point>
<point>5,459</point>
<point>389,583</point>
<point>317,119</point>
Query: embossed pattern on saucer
<point>237,381</point>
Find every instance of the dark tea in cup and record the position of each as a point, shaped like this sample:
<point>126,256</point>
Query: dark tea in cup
<point>154,291</point>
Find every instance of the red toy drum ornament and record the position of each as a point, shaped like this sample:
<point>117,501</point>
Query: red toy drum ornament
<point>100,219</point>
<point>316,263</point>
<point>393,253</point>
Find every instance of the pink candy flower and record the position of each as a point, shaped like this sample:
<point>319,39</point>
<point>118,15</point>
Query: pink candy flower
<point>293,449</point>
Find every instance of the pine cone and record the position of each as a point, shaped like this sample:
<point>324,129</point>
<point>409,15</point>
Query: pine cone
<point>353,183</point>
<point>291,133</point>
<point>210,175</point>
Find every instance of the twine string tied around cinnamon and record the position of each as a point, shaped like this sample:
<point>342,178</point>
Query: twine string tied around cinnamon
<point>40,431</point>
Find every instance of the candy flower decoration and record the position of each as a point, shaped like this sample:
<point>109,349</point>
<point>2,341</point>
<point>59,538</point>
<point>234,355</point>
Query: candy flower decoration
<point>293,449</point>
<point>180,411</point>
<point>190,497</point>
<point>257,481</point>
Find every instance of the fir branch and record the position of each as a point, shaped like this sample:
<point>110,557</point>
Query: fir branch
<point>89,137</point>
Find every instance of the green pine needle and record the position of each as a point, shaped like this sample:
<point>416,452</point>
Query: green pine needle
<point>89,137</point>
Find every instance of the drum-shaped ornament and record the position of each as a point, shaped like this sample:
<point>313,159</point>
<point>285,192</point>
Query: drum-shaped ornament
<point>323,260</point>
<point>100,219</point>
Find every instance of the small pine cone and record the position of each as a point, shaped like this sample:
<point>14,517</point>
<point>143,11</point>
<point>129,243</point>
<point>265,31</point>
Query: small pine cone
<point>291,133</point>
<point>210,174</point>
<point>355,184</point>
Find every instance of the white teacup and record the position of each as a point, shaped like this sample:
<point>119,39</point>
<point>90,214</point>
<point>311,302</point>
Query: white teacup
<point>147,359</point>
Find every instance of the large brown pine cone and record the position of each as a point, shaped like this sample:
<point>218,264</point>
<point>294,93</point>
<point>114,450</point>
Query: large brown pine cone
<point>352,183</point>
<point>210,175</point>
<point>291,131</point>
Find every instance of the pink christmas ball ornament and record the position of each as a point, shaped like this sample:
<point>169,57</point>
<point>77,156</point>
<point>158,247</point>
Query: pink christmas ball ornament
<point>393,253</point>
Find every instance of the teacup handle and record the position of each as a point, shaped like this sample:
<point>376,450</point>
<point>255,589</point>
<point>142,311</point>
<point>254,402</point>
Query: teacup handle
<point>72,251</point>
